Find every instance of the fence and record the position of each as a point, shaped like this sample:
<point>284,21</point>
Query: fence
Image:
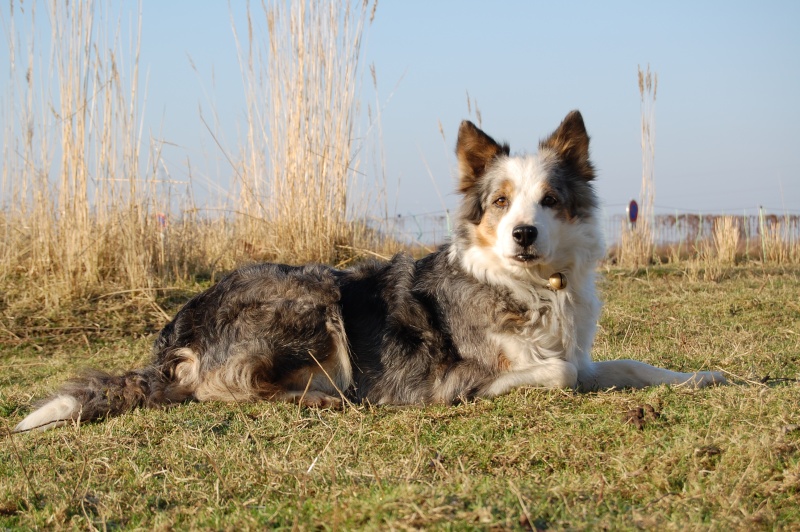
<point>672,229</point>
<point>669,229</point>
<point>429,229</point>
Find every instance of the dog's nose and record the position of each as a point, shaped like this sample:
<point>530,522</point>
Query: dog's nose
<point>524,235</point>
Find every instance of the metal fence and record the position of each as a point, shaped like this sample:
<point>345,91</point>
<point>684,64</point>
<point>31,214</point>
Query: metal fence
<point>672,229</point>
<point>432,229</point>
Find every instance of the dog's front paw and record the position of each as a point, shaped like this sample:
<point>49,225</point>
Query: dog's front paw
<point>317,399</point>
<point>709,378</point>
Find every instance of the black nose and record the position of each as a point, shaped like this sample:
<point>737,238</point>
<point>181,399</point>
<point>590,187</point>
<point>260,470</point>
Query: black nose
<point>524,235</point>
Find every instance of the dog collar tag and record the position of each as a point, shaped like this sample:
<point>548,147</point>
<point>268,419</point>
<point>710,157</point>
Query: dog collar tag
<point>557,281</point>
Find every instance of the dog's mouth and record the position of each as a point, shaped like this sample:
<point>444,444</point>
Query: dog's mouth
<point>526,258</point>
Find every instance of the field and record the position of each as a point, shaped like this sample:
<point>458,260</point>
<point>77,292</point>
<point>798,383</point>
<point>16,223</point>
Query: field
<point>99,247</point>
<point>721,458</point>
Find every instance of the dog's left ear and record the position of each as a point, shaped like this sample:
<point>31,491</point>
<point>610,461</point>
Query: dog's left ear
<point>571,143</point>
<point>475,151</point>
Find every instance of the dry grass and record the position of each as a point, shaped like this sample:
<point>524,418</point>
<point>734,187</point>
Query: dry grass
<point>635,248</point>
<point>298,178</point>
<point>727,239</point>
<point>780,239</point>
<point>86,208</point>
<point>722,458</point>
<point>714,257</point>
<point>78,206</point>
<point>766,239</point>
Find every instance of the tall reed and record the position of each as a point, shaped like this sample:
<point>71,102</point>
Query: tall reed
<point>635,248</point>
<point>78,203</point>
<point>779,238</point>
<point>707,239</point>
<point>648,90</point>
<point>297,179</point>
<point>727,237</point>
<point>637,240</point>
<point>83,206</point>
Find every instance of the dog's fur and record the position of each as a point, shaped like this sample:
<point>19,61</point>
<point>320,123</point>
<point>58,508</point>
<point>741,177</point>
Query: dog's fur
<point>476,318</point>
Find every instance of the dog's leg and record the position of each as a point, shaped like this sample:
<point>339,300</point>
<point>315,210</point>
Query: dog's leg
<point>553,373</point>
<point>635,374</point>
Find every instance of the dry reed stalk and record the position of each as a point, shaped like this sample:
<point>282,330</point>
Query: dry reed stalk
<point>79,211</point>
<point>299,165</point>
<point>645,238</point>
<point>716,256</point>
<point>704,266</point>
<point>635,249</point>
<point>794,247</point>
<point>727,236</point>
<point>779,240</point>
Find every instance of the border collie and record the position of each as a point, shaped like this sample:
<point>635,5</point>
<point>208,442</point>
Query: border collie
<point>510,302</point>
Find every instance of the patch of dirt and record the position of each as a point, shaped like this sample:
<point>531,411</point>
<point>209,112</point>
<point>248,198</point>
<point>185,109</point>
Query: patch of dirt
<point>641,416</point>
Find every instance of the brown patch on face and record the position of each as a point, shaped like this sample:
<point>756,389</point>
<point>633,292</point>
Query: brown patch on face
<point>476,151</point>
<point>496,207</point>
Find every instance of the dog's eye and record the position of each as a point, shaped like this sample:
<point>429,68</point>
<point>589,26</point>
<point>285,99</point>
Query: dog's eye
<point>501,202</point>
<point>549,200</point>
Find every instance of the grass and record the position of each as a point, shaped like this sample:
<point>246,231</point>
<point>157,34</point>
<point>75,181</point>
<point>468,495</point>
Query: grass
<point>717,458</point>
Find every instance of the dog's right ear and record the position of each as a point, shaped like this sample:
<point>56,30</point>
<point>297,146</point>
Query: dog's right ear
<point>475,150</point>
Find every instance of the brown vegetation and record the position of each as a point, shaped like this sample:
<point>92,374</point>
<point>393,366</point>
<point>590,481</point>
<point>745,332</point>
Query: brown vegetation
<point>86,206</point>
<point>710,240</point>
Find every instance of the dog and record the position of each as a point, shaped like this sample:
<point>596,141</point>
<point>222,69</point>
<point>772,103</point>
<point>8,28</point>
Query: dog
<point>510,301</point>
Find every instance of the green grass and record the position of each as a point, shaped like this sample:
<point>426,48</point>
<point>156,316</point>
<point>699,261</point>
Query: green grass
<point>719,458</point>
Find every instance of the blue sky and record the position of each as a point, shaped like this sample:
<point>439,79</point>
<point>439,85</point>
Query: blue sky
<point>727,112</point>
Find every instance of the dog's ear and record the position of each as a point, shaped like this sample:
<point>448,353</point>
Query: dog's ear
<point>475,150</point>
<point>571,143</point>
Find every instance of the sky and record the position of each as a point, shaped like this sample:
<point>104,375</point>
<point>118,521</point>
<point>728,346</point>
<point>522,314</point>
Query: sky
<point>727,114</point>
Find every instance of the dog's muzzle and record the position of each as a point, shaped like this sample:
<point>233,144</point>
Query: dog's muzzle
<point>524,236</point>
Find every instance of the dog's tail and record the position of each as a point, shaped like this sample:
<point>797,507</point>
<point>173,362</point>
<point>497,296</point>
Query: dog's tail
<point>96,395</point>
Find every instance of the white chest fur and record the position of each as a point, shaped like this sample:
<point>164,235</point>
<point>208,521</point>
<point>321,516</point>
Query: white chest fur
<point>540,338</point>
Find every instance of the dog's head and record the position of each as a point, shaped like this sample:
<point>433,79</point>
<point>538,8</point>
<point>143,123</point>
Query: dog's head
<point>526,212</point>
